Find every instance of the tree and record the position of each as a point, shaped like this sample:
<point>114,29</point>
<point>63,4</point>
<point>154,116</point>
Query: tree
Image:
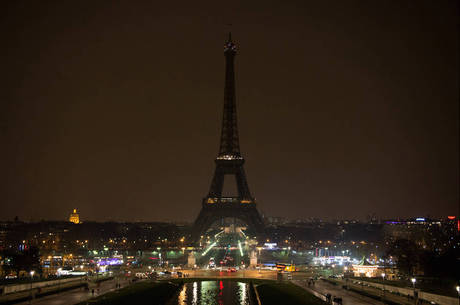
<point>406,255</point>
<point>26,260</point>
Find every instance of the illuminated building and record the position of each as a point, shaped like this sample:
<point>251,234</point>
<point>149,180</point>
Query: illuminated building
<point>74,217</point>
<point>365,269</point>
<point>331,260</point>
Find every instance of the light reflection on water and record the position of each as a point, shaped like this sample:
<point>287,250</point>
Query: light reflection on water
<point>195,292</point>
<point>243,295</point>
<point>214,293</point>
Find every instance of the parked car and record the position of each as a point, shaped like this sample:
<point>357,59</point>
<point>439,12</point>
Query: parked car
<point>338,300</point>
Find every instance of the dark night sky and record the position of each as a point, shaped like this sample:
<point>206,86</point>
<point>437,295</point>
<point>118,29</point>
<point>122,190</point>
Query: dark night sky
<point>345,107</point>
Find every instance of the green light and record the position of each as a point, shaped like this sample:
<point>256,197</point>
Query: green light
<point>241,249</point>
<point>209,248</point>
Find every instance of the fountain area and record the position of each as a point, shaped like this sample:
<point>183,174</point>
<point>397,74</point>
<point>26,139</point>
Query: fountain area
<point>219,292</point>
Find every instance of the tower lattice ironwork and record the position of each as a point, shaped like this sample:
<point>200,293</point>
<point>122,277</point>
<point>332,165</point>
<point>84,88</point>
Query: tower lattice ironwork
<point>229,162</point>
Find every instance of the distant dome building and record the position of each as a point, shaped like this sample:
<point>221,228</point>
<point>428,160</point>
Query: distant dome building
<point>74,217</point>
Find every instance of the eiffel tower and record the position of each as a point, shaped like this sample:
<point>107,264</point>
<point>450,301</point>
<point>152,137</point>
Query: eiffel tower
<point>229,162</point>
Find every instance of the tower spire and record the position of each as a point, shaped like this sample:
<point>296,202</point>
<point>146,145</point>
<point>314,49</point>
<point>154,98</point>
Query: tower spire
<point>229,160</point>
<point>229,140</point>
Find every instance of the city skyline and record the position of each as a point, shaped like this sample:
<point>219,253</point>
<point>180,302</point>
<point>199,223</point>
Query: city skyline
<point>121,119</point>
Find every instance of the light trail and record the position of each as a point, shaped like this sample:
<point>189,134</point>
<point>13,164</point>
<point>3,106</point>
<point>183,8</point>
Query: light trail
<point>241,249</point>
<point>219,233</point>
<point>207,250</point>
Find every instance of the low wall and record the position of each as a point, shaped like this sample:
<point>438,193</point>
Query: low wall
<point>27,286</point>
<point>430,297</point>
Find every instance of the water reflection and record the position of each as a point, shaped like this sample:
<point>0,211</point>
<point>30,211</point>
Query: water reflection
<point>182,296</point>
<point>214,293</point>
<point>195,292</point>
<point>243,296</point>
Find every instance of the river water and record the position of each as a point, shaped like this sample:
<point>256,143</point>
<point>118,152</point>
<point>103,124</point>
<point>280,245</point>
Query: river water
<point>214,293</point>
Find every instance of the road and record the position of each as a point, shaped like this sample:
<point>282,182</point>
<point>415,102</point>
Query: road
<point>348,297</point>
<point>75,296</point>
<point>371,290</point>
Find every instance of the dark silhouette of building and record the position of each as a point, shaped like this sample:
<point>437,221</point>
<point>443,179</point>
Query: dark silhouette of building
<point>229,162</point>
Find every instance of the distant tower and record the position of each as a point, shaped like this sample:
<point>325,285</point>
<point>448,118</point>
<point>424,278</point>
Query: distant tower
<point>229,162</point>
<point>74,217</point>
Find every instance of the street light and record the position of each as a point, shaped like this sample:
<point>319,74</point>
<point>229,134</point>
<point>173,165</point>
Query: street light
<point>345,275</point>
<point>383,283</point>
<point>413,280</point>
<point>31,280</point>
<point>458,293</point>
